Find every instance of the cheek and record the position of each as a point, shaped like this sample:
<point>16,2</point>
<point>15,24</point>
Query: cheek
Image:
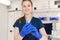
<point>23,8</point>
<point>30,9</point>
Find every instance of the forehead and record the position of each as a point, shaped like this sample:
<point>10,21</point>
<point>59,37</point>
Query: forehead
<point>26,3</point>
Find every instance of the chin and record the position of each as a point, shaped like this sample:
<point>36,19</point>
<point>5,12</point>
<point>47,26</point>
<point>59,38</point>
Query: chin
<point>27,13</point>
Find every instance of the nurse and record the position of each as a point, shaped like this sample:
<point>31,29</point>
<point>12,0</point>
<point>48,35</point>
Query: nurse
<point>29,27</point>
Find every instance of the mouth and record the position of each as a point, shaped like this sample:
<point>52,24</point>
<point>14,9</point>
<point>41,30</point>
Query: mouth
<point>26,10</point>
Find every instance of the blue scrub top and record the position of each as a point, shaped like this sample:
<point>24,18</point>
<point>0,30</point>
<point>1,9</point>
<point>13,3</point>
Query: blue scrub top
<point>35,22</point>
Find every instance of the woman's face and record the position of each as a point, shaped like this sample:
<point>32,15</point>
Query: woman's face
<point>27,7</point>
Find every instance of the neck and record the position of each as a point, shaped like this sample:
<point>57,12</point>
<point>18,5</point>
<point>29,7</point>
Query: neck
<point>28,17</point>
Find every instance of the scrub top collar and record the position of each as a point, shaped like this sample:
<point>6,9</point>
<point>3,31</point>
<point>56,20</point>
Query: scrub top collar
<point>26,21</point>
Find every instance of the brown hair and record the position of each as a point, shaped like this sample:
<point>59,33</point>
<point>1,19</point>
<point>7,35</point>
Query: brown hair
<point>21,19</point>
<point>27,0</point>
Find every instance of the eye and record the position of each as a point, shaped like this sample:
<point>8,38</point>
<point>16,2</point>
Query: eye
<point>28,5</point>
<point>24,6</point>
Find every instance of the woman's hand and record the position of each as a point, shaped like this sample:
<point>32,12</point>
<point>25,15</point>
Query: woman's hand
<point>44,34</point>
<point>44,38</point>
<point>16,34</point>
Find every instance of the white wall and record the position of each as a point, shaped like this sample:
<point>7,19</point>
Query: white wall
<point>3,22</point>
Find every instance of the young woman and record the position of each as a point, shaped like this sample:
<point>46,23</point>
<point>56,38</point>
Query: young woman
<point>29,27</point>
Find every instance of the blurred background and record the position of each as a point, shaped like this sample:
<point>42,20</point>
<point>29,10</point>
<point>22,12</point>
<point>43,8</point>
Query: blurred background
<point>48,11</point>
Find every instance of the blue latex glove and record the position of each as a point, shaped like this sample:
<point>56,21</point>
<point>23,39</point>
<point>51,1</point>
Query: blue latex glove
<point>28,28</point>
<point>35,32</point>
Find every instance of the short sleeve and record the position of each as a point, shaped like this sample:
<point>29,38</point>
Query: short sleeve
<point>16,23</point>
<point>40,24</point>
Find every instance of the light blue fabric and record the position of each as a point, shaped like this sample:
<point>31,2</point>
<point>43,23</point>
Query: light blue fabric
<point>28,28</point>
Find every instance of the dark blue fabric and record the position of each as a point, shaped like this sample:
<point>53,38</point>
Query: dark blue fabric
<point>35,22</point>
<point>48,28</point>
<point>19,25</point>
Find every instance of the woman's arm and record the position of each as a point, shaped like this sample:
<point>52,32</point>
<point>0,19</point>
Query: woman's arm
<point>16,34</point>
<point>44,34</point>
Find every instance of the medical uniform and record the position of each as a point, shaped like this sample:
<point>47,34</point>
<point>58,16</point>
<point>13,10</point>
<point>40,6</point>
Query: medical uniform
<point>35,22</point>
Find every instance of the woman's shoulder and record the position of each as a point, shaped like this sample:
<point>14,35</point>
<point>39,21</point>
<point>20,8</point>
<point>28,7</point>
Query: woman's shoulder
<point>36,19</point>
<point>18,21</point>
